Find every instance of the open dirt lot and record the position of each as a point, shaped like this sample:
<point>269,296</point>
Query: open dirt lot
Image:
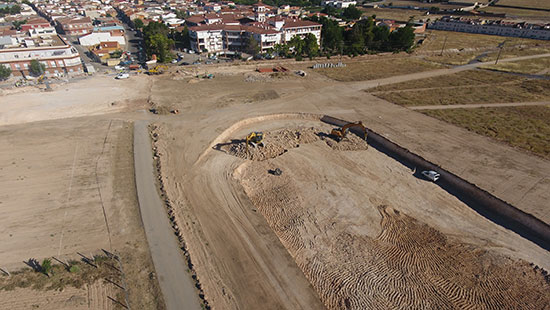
<point>68,187</point>
<point>340,218</point>
<point>291,231</point>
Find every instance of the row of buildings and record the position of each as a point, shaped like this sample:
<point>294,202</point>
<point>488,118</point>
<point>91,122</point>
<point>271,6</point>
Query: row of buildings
<point>44,30</point>
<point>493,27</point>
<point>230,32</point>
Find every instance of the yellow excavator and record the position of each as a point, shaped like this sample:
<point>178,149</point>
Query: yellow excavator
<point>158,69</point>
<point>340,133</point>
<point>255,138</point>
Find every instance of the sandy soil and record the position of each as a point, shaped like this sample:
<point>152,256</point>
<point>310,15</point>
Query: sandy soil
<point>93,96</point>
<point>58,176</point>
<point>351,218</point>
<point>68,187</point>
<point>225,230</point>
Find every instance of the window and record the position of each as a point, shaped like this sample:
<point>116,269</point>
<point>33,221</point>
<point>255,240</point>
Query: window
<point>26,65</point>
<point>17,66</point>
<point>52,63</point>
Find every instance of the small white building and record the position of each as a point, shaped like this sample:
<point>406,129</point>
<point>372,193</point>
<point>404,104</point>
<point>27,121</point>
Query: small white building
<point>95,38</point>
<point>339,4</point>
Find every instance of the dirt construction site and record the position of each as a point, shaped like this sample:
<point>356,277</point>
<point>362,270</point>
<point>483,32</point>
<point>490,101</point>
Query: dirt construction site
<point>300,222</point>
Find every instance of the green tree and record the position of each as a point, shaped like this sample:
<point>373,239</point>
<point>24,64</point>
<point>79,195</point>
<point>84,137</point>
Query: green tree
<point>157,41</point>
<point>252,46</point>
<point>18,23</point>
<point>311,48</point>
<point>46,266</point>
<point>5,72</point>
<point>159,45</point>
<point>351,12</point>
<point>138,23</point>
<point>332,35</point>
<point>183,37</point>
<point>282,50</point>
<point>402,39</point>
<point>36,68</point>
<point>297,44</point>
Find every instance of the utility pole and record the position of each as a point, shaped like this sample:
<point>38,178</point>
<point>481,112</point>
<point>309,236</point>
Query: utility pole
<point>500,46</point>
<point>443,47</point>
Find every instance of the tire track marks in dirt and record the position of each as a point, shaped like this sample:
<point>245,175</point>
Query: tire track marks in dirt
<point>409,265</point>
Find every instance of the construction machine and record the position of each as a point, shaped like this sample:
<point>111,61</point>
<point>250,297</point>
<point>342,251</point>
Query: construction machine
<point>255,138</point>
<point>340,133</point>
<point>158,69</point>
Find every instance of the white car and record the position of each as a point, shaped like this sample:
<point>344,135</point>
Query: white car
<point>431,175</point>
<point>118,67</point>
<point>121,76</point>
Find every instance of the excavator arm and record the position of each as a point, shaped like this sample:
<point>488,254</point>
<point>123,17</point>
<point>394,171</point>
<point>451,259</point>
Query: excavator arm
<point>339,134</point>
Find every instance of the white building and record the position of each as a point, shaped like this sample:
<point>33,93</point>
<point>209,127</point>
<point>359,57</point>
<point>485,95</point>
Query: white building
<point>233,37</point>
<point>58,56</point>
<point>95,38</point>
<point>338,3</point>
<point>499,28</point>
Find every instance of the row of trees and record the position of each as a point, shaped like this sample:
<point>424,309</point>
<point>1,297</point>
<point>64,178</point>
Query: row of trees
<point>364,37</point>
<point>10,10</point>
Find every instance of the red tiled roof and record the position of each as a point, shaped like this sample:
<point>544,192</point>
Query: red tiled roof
<point>297,23</point>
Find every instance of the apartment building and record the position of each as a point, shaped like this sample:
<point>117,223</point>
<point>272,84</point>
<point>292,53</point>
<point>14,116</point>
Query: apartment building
<point>219,37</point>
<point>58,56</point>
<point>499,28</point>
<point>75,25</point>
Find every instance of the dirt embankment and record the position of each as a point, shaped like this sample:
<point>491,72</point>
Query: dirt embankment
<point>409,265</point>
<point>396,262</point>
<point>278,142</point>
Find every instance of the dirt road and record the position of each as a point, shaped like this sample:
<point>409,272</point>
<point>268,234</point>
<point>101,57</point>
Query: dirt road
<point>434,73</point>
<point>474,106</point>
<point>175,282</point>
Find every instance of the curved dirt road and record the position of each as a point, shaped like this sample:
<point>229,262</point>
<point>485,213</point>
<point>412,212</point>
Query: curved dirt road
<point>176,284</point>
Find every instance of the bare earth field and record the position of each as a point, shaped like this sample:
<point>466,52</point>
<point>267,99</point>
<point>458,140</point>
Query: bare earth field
<point>331,220</point>
<point>343,227</point>
<point>67,187</point>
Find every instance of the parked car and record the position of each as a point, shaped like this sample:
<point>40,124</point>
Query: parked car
<point>185,63</point>
<point>174,61</point>
<point>118,67</point>
<point>431,175</point>
<point>121,76</point>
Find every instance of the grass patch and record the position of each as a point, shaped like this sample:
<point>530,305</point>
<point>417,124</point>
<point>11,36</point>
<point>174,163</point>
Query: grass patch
<point>78,274</point>
<point>376,69</point>
<point>527,127</point>
<point>465,78</point>
<point>522,91</point>
<point>529,66</point>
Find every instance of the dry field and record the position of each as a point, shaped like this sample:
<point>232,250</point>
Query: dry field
<point>531,66</point>
<point>68,187</point>
<point>460,79</point>
<point>543,4</point>
<point>435,39</point>
<point>524,127</point>
<point>377,68</point>
<point>516,91</point>
<point>512,13</point>
<point>395,14</point>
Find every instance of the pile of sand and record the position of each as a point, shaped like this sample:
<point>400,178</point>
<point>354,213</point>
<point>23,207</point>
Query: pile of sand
<point>276,143</point>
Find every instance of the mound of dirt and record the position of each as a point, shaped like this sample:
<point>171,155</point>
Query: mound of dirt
<point>351,142</point>
<point>408,265</point>
<point>278,142</point>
